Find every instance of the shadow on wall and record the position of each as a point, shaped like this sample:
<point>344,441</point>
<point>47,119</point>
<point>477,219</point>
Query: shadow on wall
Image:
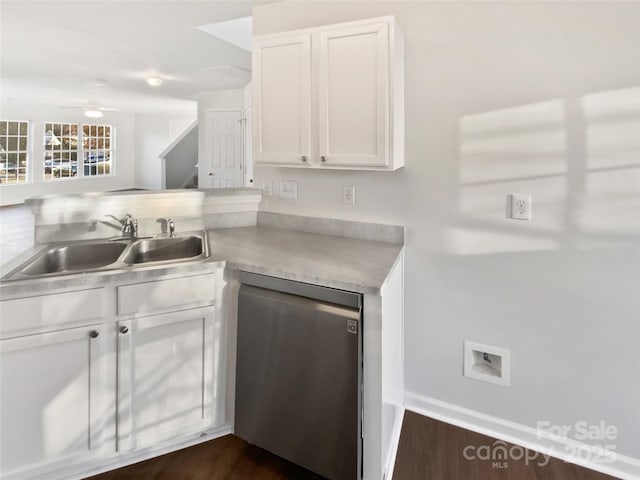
<point>560,291</point>
<point>578,158</point>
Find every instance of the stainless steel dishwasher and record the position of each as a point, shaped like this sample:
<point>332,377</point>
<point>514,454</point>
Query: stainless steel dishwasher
<point>299,373</point>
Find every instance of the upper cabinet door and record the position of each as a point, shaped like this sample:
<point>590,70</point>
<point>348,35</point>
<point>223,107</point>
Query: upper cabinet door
<point>282,100</point>
<point>354,96</point>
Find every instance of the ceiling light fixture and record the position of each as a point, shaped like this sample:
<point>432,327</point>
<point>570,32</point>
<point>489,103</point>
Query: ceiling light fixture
<point>93,113</point>
<point>154,81</point>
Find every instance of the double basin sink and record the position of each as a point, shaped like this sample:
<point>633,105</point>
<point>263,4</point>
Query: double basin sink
<point>114,254</point>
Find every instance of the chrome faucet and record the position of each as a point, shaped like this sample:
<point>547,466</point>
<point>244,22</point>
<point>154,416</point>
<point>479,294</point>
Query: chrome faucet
<point>172,227</point>
<point>130,225</point>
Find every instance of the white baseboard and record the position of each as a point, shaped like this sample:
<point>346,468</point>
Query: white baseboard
<point>393,449</point>
<point>571,451</point>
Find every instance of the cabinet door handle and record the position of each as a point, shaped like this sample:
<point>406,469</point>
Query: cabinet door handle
<point>211,174</point>
<point>124,329</point>
<point>323,159</point>
<point>94,334</point>
<point>303,158</point>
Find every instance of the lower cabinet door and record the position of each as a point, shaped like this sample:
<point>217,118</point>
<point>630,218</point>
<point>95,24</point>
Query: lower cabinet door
<point>165,377</point>
<point>52,391</point>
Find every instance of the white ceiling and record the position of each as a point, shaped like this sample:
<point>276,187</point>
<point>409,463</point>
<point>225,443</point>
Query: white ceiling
<point>57,52</point>
<point>237,32</point>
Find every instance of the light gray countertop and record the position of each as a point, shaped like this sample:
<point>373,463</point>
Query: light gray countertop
<point>338,262</point>
<point>332,261</point>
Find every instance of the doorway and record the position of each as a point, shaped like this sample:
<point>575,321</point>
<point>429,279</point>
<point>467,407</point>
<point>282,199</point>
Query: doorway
<point>223,162</point>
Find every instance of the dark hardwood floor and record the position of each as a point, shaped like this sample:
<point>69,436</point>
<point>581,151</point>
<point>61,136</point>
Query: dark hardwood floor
<point>428,450</point>
<point>226,458</point>
<point>433,450</point>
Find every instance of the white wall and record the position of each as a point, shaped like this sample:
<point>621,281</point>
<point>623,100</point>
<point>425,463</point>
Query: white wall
<point>154,133</point>
<point>181,161</point>
<point>532,97</point>
<point>38,115</point>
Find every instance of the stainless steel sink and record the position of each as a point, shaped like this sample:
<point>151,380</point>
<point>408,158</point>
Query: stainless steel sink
<point>110,254</point>
<point>74,257</point>
<point>163,249</point>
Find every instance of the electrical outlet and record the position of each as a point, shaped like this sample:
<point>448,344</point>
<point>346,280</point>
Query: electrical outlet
<point>349,194</point>
<point>267,188</point>
<point>519,206</point>
<point>289,189</point>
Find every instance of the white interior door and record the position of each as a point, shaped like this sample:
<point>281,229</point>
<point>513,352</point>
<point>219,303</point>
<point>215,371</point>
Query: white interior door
<point>248,146</point>
<point>223,166</point>
<point>354,96</point>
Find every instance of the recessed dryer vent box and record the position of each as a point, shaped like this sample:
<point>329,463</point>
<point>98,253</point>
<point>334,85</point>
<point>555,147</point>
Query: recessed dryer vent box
<point>487,363</point>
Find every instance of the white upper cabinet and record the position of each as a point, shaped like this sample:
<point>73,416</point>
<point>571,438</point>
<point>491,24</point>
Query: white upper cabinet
<point>282,112</point>
<point>331,97</point>
<point>353,96</point>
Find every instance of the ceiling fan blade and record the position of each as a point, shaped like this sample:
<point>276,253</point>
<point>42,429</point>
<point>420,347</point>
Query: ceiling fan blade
<point>228,70</point>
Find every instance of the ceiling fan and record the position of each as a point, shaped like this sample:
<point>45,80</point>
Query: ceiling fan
<point>229,70</point>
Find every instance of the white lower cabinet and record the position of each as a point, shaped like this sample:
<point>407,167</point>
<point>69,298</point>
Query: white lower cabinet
<point>144,374</point>
<point>51,399</point>
<point>165,377</point>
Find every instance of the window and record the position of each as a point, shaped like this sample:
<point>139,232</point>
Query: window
<point>60,150</point>
<point>14,151</point>
<point>65,144</point>
<point>97,143</point>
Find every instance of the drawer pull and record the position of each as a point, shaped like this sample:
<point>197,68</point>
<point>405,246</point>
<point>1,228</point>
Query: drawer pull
<point>94,334</point>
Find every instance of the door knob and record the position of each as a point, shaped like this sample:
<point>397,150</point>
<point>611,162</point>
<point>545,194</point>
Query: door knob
<point>323,159</point>
<point>93,334</point>
<point>124,329</point>
<point>211,174</point>
<point>303,158</point>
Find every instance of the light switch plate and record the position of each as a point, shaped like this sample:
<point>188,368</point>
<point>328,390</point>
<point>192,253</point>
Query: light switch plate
<point>349,194</point>
<point>267,188</point>
<point>289,189</point>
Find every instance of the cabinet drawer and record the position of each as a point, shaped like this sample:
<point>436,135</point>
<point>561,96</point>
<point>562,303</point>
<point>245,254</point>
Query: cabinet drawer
<point>50,311</point>
<point>163,295</point>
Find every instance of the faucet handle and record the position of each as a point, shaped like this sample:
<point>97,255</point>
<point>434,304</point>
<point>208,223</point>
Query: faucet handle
<point>172,227</point>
